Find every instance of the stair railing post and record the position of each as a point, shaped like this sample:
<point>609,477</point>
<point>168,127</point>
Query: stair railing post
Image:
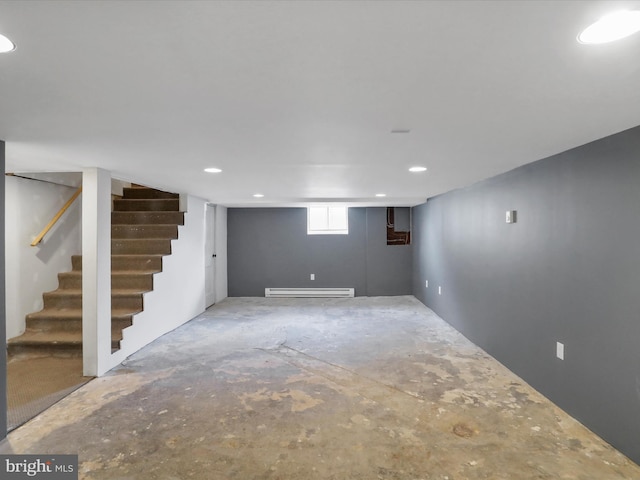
<point>96,271</point>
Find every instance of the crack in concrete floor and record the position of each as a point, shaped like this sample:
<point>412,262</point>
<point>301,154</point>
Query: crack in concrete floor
<point>323,368</point>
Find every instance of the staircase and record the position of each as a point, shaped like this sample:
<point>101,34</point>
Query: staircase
<point>143,223</point>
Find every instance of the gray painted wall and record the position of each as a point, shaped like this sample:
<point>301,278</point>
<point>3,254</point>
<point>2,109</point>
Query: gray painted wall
<point>567,271</point>
<point>269,247</point>
<point>3,319</point>
<point>389,267</point>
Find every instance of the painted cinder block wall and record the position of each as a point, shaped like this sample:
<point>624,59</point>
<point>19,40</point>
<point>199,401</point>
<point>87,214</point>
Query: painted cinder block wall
<point>567,271</point>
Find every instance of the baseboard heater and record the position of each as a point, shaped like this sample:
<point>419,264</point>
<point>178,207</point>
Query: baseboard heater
<point>310,292</point>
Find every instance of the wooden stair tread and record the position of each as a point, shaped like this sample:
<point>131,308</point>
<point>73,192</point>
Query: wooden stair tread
<point>35,336</point>
<point>67,292</point>
<point>147,217</point>
<point>151,255</point>
<point>122,273</point>
<point>146,204</point>
<point>55,340</point>
<point>76,313</point>
<point>136,230</point>
<point>146,212</point>
<point>144,192</point>
<point>141,240</point>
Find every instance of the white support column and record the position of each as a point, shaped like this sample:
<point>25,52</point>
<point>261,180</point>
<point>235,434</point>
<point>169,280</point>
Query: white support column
<point>96,271</point>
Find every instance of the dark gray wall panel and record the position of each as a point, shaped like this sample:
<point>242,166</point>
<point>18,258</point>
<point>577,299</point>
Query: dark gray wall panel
<point>3,317</point>
<point>567,271</point>
<point>269,247</point>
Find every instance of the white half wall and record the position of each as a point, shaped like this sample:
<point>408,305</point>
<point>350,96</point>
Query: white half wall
<point>30,271</point>
<point>96,271</point>
<point>222,290</point>
<point>178,291</point>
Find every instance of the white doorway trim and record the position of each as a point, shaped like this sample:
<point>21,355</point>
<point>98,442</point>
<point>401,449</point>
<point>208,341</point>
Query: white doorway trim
<point>210,255</point>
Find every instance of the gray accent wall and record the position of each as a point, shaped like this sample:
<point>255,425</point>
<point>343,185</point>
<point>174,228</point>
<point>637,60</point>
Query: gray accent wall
<point>388,267</point>
<point>567,271</point>
<point>3,319</point>
<point>269,247</point>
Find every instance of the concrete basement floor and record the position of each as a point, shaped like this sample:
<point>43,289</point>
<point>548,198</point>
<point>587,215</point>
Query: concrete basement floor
<point>364,388</point>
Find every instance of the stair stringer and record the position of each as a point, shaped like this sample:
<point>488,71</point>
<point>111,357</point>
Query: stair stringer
<point>178,291</point>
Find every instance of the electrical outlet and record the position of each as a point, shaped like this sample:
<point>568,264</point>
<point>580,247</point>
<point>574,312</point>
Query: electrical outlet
<point>560,350</point>
<point>312,276</point>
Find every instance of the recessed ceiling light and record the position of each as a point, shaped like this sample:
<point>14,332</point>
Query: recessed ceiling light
<point>612,27</point>
<point>381,194</point>
<point>258,195</point>
<point>6,45</point>
<point>418,169</point>
<point>212,170</point>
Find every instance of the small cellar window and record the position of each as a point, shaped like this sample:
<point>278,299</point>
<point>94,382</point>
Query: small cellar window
<point>327,220</point>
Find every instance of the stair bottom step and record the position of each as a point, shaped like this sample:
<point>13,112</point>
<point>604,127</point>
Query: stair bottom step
<point>64,344</point>
<point>60,351</point>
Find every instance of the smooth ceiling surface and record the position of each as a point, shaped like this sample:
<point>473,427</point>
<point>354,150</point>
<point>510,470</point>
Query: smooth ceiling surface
<point>296,100</point>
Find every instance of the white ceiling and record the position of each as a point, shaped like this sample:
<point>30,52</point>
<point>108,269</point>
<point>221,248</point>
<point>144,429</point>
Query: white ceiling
<point>296,100</point>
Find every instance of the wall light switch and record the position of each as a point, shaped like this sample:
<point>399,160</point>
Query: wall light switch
<point>312,276</point>
<point>439,290</point>
<point>511,216</point>
<point>426,283</point>
<point>560,350</point>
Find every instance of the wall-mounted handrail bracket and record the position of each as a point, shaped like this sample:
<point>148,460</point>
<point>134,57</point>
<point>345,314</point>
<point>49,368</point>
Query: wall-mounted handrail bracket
<point>57,216</point>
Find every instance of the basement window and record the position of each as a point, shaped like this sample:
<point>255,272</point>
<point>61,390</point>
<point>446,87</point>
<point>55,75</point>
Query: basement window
<point>327,220</point>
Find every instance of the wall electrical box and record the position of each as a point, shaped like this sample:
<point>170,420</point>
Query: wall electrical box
<point>511,216</point>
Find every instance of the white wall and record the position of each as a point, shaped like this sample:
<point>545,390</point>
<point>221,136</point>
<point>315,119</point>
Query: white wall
<point>178,291</point>
<point>221,253</point>
<point>30,271</point>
